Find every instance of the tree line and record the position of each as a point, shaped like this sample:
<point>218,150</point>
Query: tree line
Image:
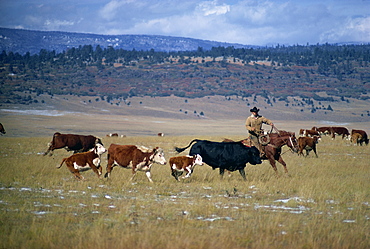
<point>325,57</point>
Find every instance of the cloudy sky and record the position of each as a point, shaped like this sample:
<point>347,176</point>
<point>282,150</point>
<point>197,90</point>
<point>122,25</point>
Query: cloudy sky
<point>251,22</point>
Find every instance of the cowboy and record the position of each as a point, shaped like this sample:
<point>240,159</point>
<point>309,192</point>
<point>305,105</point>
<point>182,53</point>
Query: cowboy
<point>254,126</point>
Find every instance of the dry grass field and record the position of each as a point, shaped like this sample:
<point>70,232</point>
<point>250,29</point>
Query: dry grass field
<point>324,203</point>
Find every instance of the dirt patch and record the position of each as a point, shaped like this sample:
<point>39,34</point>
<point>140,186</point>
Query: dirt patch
<point>216,115</point>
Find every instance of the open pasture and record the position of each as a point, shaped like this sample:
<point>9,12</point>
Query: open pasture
<point>325,203</point>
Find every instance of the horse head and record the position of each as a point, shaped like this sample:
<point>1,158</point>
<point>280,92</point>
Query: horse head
<point>284,138</point>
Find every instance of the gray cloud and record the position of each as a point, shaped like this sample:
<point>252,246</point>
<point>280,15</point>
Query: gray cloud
<point>242,21</point>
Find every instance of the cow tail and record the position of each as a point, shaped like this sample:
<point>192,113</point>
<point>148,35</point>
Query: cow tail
<point>58,167</point>
<point>182,149</point>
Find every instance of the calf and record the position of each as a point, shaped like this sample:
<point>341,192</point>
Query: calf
<point>363,134</point>
<point>85,161</point>
<point>180,164</point>
<point>134,157</point>
<point>308,144</point>
<point>356,138</point>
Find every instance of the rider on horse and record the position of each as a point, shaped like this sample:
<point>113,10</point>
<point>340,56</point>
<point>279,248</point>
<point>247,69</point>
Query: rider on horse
<point>254,126</point>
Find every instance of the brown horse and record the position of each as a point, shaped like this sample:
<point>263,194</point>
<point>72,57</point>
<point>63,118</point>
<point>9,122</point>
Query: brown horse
<point>276,142</point>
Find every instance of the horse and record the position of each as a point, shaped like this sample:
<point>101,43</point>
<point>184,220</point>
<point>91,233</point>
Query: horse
<point>273,148</point>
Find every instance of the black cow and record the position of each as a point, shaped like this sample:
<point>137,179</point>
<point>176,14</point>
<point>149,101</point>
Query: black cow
<point>2,129</point>
<point>231,156</point>
<point>72,142</point>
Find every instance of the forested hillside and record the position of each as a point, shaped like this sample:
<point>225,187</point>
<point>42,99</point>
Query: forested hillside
<point>273,73</point>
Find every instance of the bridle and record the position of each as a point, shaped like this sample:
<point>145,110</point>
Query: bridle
<point>285,142</point>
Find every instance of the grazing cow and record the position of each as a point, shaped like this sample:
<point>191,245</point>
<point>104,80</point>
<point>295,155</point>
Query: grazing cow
<point>160,134</point>
<point>322,130</point>
<point>231,156</point>
<point>356,138</point>
<point>363,134</point>
<point>308,144</point>
<point>72,142</point>
<point>2,129</point>
<point>85,161</point>
<point>339,131</point>
<point>180,164</point>
<point>134,157</point>
<point>112,135</point>
<point>309,133</point>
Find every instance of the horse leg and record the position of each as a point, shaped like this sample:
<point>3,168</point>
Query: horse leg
<point>270,152</point>
<point>273,165</point>
<point>281,161</point>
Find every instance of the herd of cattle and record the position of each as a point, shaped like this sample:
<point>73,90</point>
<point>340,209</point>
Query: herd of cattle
<point>230,156</point>
<point>88,150</point>
<point>309,138</point>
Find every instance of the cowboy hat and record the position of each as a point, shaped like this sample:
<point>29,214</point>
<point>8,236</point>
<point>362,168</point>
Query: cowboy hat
<point>255,109</point>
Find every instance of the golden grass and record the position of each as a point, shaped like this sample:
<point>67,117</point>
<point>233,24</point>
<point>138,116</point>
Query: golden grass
<point>324,204</point>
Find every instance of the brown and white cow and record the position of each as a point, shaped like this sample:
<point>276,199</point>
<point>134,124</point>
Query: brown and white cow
<point>356,138</point>
<point>339,131</point>
<point>112,135</point>
<point>325,130</point>
<point>134,157</point>
<point>309,133</point>
<point>364,139</point>
<point>180,164</point>
<point>72,142</point>
<point>2,129</point>
<point>160,134</point>
<point>308,144</point>
<point>84,161</point>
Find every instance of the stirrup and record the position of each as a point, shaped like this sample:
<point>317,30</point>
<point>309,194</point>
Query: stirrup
<point>263,156</point>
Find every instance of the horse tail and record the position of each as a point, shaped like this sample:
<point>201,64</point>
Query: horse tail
<point>182,149</point>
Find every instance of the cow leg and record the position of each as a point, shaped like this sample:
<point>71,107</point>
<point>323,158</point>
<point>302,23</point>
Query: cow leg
<point>49,150</point>
<point>242,173</point>
<point>222,171</point>
<point>133,174</point>
<point>109,169</point>
<point>96,170</point>
<point>300,152</point>
<point>188,169</point>
<point>77,174</point>
<point>175,174</point>
<point>147,173</point>
<point>307,152</point>
<point>314,150</point>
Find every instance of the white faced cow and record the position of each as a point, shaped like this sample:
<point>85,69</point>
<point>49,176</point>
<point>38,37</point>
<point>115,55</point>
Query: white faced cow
<point>180,164</point>
<point>134,157</point>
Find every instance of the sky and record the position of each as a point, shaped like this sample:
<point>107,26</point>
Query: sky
<point>248,22</point>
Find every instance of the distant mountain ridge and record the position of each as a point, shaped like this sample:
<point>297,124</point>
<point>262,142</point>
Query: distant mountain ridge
<point>23,41</point>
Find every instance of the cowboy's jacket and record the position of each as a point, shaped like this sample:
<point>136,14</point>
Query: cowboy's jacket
<point>256,122</point>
